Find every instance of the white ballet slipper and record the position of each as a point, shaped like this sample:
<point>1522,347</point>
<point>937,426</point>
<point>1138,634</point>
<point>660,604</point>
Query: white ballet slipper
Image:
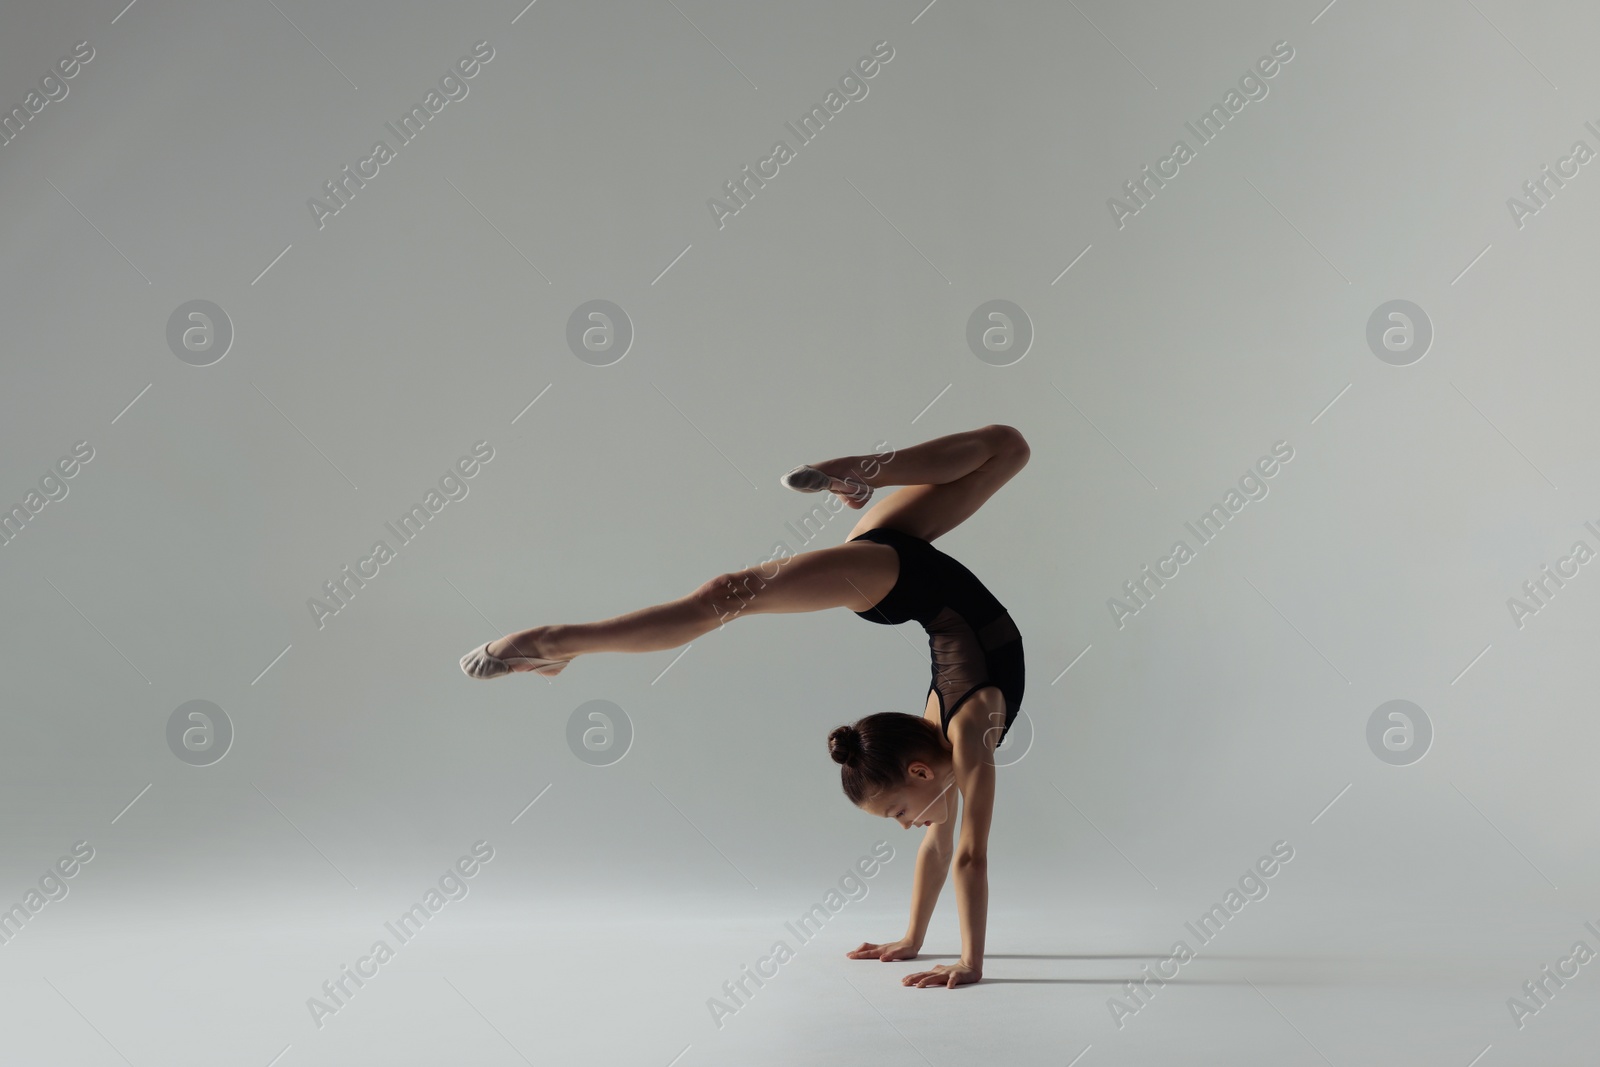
<point>805,479</point>
<point>479,663</point>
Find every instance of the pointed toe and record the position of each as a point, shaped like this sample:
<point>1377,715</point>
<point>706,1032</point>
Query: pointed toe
<point>480,664</point>
<point>805,479</point>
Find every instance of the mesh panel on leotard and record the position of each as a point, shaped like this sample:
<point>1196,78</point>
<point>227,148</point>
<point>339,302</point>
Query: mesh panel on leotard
<point>972,640</point>
<point>965,659</point>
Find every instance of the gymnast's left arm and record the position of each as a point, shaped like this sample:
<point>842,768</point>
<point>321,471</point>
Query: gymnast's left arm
<point>974,773</point>
<point>975,779</point>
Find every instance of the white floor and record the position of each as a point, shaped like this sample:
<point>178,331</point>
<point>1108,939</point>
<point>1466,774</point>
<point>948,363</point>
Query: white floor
<point>1295,983</point>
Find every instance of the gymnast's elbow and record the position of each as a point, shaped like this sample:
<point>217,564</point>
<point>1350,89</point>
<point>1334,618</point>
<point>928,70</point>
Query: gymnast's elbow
<point>972,859</point>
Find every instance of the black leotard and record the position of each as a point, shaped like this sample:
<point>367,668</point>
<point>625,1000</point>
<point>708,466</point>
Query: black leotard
<point>971,639</point>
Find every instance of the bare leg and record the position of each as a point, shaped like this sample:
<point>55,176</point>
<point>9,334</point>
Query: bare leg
<point>852,575</point>
<point>668,625</point>
<point>935,462</point>
<point>945,480</point>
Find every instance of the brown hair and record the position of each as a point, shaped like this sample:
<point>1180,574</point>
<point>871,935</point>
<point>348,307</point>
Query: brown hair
<point>874,752</point>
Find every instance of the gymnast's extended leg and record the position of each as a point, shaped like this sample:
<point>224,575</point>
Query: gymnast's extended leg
<point>946,480</point>
<point>855,576</point>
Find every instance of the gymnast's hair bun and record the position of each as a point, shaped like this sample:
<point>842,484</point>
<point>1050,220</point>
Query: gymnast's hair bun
<point>844,745</point>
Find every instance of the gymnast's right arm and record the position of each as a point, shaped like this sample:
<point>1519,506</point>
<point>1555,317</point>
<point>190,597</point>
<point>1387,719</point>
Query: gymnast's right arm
<point>933,864</point>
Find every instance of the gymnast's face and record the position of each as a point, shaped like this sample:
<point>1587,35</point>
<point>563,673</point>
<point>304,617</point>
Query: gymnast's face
<point>920,801</point>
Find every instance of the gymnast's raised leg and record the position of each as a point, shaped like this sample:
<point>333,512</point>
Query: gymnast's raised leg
<point>945,481</point>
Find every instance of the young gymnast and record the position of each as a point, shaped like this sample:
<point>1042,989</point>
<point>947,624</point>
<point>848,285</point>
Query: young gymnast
<point>894,765</point>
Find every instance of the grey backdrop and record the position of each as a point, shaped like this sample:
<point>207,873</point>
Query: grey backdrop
<point>1171,349</point>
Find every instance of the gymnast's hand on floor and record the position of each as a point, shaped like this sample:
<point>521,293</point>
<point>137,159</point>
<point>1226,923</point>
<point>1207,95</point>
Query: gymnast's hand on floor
<point>893,950</point>
<point>950,976</point>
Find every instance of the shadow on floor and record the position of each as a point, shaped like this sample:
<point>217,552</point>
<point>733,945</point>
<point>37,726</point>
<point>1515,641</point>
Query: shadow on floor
<point>1170,981</point>
<point>1302,963</point>
<point>1114,956</point>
